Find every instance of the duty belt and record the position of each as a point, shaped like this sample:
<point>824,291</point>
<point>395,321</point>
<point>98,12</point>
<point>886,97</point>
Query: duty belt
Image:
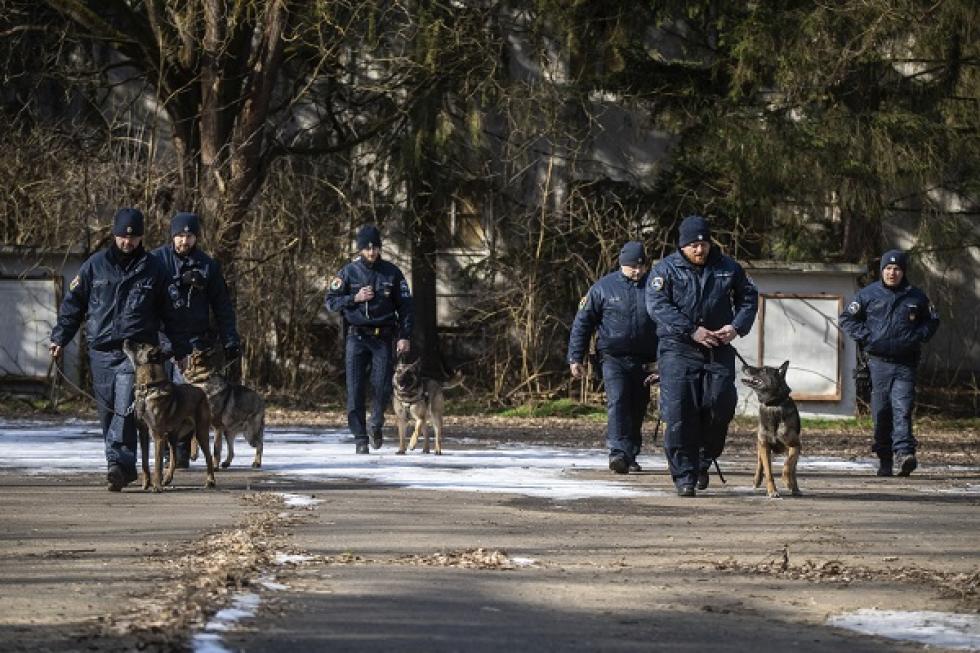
<point>376,331</point>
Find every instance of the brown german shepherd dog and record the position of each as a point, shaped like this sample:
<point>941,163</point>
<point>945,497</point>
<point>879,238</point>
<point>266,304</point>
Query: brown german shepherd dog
<point>167,411</point>
<point>419,398</point>
<point>779,425</point>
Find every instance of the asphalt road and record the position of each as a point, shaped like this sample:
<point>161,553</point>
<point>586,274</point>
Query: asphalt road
<point>383,568</point>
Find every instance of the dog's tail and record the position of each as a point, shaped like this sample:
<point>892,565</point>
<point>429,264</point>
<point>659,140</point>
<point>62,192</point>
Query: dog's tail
<point>455,380</point>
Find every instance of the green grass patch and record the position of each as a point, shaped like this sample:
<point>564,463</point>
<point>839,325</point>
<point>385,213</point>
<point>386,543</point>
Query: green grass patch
<point>556,408</point>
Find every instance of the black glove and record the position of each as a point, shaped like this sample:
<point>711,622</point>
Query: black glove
<point>192,278</point>
<point>232,352</point>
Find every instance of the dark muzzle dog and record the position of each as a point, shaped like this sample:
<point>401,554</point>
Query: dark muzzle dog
<point>779,425</point>
<point>418,398</point>
<point>235,408</point>
<point>167,411</point>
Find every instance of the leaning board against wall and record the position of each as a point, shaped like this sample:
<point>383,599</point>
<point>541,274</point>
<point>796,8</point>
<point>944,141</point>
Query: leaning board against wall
<point>797,322</point>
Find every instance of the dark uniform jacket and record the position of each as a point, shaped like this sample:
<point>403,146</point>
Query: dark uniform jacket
<point>615,306</point>
<point>186,317</point>
<point>680,297</point>
<point>118,298</point>
<point>890,323</point>
<point>391,307</point>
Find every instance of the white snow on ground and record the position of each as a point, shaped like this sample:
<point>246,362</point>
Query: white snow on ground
<point>298,500</point>
<point>943,629</point>
<point>298,453</point>
<point>291,558</point>
<point>314,455</point>
<point>243,606</point>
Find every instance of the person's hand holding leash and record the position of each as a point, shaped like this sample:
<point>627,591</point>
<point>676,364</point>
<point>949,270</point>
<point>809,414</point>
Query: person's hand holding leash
<point>577,370</point>
<point>402,346</point>
<point>725,334</point>
<point>55,350</point>
<point>704,337</point>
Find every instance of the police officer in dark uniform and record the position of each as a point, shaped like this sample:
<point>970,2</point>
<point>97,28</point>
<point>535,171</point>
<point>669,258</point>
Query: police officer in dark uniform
<point>891,319</point>
<point>701,300</point>
<point>120,293</point>
<point>615,306</point>
<point>373,297</point>
<point>196,290</point>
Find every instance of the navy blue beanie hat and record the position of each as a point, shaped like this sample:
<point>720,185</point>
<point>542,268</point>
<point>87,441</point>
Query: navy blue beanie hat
<point>632,254</point>
<point>127,222</point>
<point>693,228</point>
<point>185,223</point>
<point>895,257</point>
<point>368,235</point>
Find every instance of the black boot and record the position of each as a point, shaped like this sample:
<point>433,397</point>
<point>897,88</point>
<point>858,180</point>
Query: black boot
<point>703,479</point>
<point>619,464</point>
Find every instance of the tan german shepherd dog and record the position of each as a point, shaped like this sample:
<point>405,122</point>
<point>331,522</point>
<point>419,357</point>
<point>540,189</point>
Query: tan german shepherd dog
<point>234,408</point>
<point>779,425</point>
<point>420,399</point>
<point>167,411</point>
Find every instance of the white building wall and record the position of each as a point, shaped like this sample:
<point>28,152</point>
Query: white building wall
<point>33,285</point>
<point>808,338</point>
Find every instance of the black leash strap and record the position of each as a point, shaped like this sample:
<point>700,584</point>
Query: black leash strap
<point>718,469</point>
<point>739,356</point>
<point>98,403</point>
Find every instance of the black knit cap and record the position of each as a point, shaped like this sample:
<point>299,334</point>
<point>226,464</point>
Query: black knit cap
<point>368,235</point>
<point>693,228</point>
<point>632,254</point>
<point>127,222</point>
<point>185,223</point>
<point>895,257</point>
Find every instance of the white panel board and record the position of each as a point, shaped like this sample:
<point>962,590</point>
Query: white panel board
<point>803,330</point>
<point>28,311</point>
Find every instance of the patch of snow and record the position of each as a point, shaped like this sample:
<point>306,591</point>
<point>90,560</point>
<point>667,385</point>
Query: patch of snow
<point>243,606</point>
<point>943,629</point>
<point>291,558</point>
<point>299,500</point>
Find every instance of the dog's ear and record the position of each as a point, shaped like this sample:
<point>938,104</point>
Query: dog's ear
<point>130,351</point>
<point>783,368</point>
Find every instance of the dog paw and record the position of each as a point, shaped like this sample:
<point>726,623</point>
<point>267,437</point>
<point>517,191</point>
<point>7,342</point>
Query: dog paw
<point>225,464</point>
<point>438,452</point>
<point>425,451</point>
<point>773,495</point>
<point>210,484</point>
<point>157,489</point>
<point>797,493</point>
<point>256,465</point>
<point>400,452</point>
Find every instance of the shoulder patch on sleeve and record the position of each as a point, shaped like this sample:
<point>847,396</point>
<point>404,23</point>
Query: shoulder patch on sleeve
<point>405,291</point>
<point>657,283</point>
<point>853,308</point>
<point>933,313</point>
<point>582,303</point>
<point>336,283</point>
<point>74,283</point>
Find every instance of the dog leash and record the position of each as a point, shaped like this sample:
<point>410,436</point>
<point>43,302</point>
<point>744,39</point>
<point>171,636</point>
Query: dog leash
<point>129,411</point>
<point>739,356</point>
<point>721,476</point>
